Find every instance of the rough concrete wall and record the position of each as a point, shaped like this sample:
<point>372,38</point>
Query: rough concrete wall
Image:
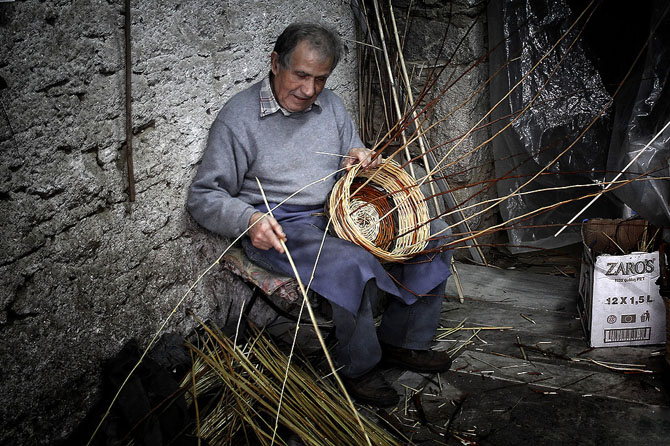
<point>82,269</point>
<point>467,164</point>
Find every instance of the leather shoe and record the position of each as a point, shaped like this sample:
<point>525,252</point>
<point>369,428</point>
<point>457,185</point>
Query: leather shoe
<point>427,361</point>
<point>371,388</point>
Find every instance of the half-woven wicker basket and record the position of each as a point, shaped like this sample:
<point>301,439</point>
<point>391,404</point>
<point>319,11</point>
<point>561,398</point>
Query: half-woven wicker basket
<point>388,216</point>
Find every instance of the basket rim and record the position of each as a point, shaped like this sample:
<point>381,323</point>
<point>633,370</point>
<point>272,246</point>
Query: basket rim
<point>408,204</point>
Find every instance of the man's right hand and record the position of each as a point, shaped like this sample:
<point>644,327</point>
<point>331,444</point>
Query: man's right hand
<point>266,233</point>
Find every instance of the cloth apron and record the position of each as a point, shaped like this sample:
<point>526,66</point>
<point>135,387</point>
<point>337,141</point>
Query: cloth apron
<point>344,268</point>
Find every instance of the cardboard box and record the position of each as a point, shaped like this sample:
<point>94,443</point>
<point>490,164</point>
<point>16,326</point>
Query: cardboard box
<point>620,302</point>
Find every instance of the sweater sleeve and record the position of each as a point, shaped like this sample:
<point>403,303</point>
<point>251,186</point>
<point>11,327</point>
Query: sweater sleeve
<point>212,196</point>
<point>348,134</point>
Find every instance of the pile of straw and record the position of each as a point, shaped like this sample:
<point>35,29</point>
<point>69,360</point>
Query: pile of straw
<point>382,210</point>
<point>236,390</point>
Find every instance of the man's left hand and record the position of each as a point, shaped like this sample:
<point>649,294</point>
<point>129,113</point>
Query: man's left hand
<point>363,156</point>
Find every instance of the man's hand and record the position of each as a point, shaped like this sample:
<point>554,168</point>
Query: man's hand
<point>363,156</point>
<point>266,233</point>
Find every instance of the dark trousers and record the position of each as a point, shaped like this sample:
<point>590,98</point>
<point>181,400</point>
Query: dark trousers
<point>407,326</point>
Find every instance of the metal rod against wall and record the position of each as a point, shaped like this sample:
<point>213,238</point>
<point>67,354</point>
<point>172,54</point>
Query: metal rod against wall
<point>129,117</point>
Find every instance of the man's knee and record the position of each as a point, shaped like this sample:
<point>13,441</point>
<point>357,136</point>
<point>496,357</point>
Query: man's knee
<point>440,233</point>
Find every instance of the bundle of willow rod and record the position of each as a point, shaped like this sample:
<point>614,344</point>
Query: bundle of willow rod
<point>388,216</point>
<point>237,391</point>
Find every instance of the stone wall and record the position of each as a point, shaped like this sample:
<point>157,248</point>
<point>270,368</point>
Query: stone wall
<point>82,269</point>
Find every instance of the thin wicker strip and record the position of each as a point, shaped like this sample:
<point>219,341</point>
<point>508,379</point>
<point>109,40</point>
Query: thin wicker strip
<point>240,387</point>
<point>388,216</point>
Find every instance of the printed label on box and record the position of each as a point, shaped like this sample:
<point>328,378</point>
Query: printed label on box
<point>624,306</point>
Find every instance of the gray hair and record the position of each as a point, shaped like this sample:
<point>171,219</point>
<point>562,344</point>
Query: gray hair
<point>319,37</point>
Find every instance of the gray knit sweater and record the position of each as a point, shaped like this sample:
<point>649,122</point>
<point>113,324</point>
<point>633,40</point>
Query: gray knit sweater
<point>279,150</point>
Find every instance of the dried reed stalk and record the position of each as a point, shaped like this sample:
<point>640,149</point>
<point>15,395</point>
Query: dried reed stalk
<point>245,384</point>
<point>440,165</point>
<point>181,301</point>
<point>317,331</point>
<point>391,80</point>
<point>527,107</point>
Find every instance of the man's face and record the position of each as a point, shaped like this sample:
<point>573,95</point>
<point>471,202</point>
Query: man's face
<point>297,86</point>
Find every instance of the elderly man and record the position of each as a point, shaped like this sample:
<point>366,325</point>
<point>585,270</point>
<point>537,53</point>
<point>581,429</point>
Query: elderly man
<point>277,131</point>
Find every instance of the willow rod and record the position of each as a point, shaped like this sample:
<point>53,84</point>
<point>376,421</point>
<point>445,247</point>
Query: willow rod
<point>529,215</point>
<point>297,328</point>
<point>315,325</point>
<point>593,121</point>
<point>438,166</point>
<point>593,200</point>
<point>600,113</point>
<point>410,98</point>
<point>181,301</point>
<point>394,92</point>
<point>433,102</point>
<point>528,107</point>
<point>424,154</point>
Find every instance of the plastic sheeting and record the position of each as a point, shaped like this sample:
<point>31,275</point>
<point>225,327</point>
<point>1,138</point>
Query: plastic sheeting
<point>551,101</point>
<point>643,110</point>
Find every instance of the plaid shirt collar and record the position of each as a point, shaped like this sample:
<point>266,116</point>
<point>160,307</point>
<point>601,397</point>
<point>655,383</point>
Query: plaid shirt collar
<point>269,104</point>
